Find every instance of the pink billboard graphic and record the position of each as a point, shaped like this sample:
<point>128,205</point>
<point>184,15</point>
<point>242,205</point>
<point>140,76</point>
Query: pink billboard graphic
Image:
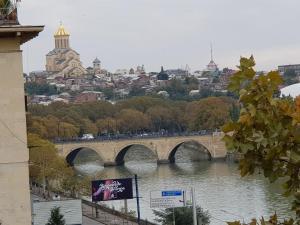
<point>112,189</point>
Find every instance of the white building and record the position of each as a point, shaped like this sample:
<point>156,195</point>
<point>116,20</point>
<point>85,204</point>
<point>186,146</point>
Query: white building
<point>292,90</point>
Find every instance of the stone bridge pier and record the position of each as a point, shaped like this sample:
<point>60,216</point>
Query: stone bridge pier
<point>164,148</point>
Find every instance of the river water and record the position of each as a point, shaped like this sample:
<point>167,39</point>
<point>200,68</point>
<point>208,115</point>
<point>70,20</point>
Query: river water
<point>218,185</point>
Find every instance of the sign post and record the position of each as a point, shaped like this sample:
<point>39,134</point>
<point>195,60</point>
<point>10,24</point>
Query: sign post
<point>125,207</point>
<point>194,207</point>
<point>174,223</point>
<point>137,199</point>
<point>167,199</point>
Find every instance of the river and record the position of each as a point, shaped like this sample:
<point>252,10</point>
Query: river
<point>218,185</point>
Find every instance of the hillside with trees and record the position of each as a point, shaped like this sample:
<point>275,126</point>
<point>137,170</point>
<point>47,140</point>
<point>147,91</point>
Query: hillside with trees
<point>133,116</point>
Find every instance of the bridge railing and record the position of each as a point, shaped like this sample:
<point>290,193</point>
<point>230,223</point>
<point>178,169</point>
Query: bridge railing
<point>120,137</point>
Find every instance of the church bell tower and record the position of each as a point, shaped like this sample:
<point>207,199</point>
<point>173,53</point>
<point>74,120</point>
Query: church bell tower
<point>62,37</point>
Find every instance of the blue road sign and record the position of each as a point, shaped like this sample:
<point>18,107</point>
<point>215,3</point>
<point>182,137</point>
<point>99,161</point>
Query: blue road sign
<point>171,193</point>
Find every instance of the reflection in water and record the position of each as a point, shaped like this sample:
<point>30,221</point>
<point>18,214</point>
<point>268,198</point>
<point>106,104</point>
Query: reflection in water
<point>191,151</point>
<point>138,153</point>
<point>219,187</point>
<point>87,155</point>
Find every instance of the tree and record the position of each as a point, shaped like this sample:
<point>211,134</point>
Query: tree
<point>45,164</point>
<point>42,154</point>
<point>56,218</point>
<point>142,103</point>
<point>183,216</point>
<point>5,5</point>
<point>88,127</point>
<point>107,125</point>
<point>272,221</point>
<point>177,89</point>
<point>67,130</point>
<point>161,117</point>
<point>192,83</point>
<point>40,89</point>
<point>137,91</point>
<point>130,120</point>
<point>267,133</point>
<point>207,114</point>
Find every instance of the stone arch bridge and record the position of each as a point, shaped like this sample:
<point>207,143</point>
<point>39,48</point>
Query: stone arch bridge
<point>112,152</point>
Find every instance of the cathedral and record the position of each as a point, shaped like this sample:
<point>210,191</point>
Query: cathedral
<point>63,61</point>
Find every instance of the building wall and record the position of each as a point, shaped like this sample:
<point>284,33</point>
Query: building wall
<point>284,68</point>
<point>14,175</point>
<point>71,67</point>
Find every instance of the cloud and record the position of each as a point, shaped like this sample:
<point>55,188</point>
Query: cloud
<point>125,33</point>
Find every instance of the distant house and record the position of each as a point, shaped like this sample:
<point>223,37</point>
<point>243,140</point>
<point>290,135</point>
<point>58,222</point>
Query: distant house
<point>194,93</point>
<point>142,80</point>
<point>295,67</point>
<point>89,96</point>
<point>162,75</point>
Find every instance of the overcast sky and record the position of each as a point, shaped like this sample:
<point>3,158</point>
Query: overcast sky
<point>173,33</point>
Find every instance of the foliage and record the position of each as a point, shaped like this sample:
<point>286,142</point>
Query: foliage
<point>272,221</point>
<point>267,133</point>
<point>126,118</point>
<point>5,4</point>
<point>137,91</point>
<point>107,125</point>
<point>40,89</point>
<point>48,168</point>
<point>108,92</point>
<point>150,114</point>
<point>183,216</point>
<point>208,114</point>
<point>51,127</point>
<point>42,157</point>
<point>160,116</point>
<point>56,218</point>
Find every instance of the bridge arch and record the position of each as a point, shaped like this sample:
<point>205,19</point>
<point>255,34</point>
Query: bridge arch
<point>173,150</point>
<point>120,157</point>
<point>74,152</point>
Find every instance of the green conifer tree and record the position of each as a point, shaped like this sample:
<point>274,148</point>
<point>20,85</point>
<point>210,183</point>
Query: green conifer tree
<point>56,218</point>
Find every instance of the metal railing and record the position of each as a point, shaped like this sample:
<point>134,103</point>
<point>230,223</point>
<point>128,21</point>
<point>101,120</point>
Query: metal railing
<point>121,137</point>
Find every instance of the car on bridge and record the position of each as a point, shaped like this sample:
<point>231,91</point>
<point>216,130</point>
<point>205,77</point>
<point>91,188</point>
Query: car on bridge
<point>87,137</point>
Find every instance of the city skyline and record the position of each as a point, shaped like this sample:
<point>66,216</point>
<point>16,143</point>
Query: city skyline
<point>169,33</point>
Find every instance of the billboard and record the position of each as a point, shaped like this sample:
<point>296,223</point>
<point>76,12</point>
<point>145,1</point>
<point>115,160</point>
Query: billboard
<point>167,199</point>
<point>112,189</point>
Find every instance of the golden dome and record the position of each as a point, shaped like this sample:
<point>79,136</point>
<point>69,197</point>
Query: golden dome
<point>61,31</point>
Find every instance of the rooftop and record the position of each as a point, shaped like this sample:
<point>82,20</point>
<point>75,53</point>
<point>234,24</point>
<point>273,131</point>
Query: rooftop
<point>291,90</point>
<point>61,31</point>
<point>25,33</point>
